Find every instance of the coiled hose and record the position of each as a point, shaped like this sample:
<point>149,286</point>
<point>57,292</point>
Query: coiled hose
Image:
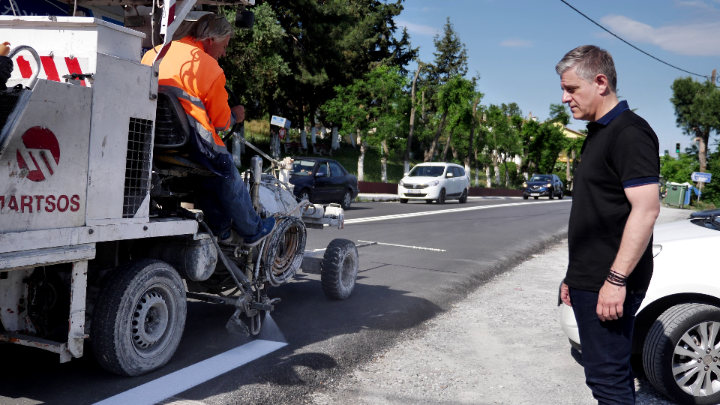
<point>283,250</point>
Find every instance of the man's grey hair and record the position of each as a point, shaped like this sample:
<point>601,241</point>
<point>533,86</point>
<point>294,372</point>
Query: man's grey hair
<point>211,26</point>
<point>589,61</point>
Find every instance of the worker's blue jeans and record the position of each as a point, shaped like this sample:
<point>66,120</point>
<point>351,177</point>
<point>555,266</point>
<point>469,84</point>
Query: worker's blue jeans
<point>606,347</point>
<point>226,203</point>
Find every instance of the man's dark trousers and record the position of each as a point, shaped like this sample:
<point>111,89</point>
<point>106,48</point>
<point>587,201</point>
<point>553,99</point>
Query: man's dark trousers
<point>606,347</point>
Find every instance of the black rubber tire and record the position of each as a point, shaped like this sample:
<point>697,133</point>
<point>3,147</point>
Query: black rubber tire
<point>660,344</point>
<point>347,200</point>
<point>441,197</point>
<point>562,194</point>
<point>339,269</point>
<point>403,201</point>
<point>552,194</point>
<point>525,197</point>
<point>535,198</point>
<point>464,196</point>
<point>302,193</point>
<point>428,201</point>
<point>120,300</point>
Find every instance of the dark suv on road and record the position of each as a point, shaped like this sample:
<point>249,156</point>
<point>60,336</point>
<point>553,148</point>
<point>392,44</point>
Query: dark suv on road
<point>543,185</point>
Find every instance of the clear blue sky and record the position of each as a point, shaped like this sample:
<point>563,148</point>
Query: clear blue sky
<point>515,44</point>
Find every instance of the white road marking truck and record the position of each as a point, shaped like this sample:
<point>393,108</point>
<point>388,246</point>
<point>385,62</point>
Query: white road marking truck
<point>95,244</point>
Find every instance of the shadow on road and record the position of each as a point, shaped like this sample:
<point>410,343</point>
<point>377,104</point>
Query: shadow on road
<point>305,316</point>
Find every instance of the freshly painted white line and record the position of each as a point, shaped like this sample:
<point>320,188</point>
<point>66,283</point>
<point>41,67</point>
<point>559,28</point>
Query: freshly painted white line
<point>404,246</point>
<point>424,213</point>
<point>165,387</point>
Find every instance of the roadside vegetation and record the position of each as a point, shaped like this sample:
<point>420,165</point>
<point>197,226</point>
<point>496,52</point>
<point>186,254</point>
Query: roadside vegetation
<point>342,67</point>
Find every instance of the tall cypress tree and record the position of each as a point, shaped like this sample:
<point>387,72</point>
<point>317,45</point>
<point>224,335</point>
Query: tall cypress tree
<point>450,55</point>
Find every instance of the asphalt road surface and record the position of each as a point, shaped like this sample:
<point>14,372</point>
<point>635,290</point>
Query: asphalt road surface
<point>398,288</point>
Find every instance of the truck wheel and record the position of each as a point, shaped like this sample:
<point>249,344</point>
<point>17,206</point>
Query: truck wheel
<point>680,354</point>
<point>139,317</point>
<point>339,269</point>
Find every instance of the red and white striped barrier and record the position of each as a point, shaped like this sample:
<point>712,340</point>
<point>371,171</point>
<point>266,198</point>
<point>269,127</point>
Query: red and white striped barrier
<point>53,68</point>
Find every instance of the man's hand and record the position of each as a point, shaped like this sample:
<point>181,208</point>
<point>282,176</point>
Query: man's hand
<point>565,294</point>
<point>239,112</point>
<point>610,302</point>
<point>6,68</point>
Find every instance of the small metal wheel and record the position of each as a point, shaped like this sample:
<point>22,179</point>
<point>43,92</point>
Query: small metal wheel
<point>347,200</point>
<point>339,269</point>
<point>139,317</point>
<point>681,355</point>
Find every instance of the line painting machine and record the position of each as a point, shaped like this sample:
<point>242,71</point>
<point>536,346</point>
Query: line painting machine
<point>95,242</point>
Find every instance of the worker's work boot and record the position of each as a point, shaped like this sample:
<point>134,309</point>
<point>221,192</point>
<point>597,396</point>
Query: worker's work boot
<point>268,224</point>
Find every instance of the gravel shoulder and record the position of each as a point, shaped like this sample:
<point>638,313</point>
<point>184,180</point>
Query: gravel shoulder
<point>500,345</point>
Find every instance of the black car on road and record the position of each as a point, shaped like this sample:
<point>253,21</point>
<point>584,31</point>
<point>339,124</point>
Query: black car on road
<point>543,185</point>
<point>323,181</point>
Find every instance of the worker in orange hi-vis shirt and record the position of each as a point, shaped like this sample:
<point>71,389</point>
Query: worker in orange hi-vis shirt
<point>191,72</point>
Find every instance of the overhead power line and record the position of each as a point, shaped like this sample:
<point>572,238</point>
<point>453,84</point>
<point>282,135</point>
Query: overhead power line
<point>611,33</point>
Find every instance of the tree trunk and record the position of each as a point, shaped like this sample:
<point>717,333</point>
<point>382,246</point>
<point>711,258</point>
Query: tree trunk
<point>361,158</point>
<point>488,179</point>
<point>507,174</point>
<point>447,146</point>
<point>406,156</point>
<point>335,138</point>
<point>313,135</point>
<point>471,150</point>
<point>496,166</point>
<point>429,155</point>
<point>703,137</point>
<point>383,161</point>
<point>477,170</point>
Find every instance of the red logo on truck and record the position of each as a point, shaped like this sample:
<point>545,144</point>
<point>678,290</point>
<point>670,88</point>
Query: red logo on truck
<point>40,154</point>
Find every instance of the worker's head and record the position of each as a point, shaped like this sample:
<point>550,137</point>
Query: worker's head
<point>214,32</point>
<point>587,76</point>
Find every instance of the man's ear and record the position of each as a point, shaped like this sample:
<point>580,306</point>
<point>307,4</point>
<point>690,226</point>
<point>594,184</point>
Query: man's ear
<point>603,84</point>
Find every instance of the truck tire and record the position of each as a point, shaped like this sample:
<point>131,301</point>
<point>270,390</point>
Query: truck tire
<point>339,269</point>
<point>139,317</point>
<point>666,349</point>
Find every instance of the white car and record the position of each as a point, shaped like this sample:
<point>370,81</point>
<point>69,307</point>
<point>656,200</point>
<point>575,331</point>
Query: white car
<point>677,329</point>
<point>434,182</point>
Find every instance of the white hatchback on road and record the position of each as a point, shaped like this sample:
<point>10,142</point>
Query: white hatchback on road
<point>677,329</point>
<point>434,182</point>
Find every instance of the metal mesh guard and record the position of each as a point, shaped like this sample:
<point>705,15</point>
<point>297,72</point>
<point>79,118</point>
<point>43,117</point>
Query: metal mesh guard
<point>137,167</point>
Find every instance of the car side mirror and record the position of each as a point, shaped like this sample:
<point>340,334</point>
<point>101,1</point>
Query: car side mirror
<point>449,175</point>
<point>320,175</point>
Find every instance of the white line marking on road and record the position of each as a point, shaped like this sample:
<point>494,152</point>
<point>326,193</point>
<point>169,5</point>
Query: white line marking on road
<point>404,246</point>
<point>424,213</point>
<point>165,387</point>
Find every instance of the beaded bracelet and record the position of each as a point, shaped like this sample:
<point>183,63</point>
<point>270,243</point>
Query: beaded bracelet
<point>617,279</point>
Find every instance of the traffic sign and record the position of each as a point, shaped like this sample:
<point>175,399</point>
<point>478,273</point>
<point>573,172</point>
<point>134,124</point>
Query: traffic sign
<point>701,177</point>
<point>281,133</point>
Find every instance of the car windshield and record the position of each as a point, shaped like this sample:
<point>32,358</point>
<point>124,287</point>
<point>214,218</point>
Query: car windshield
<point>426,171</point>
<point>541,178</point>
<point>302,167</point>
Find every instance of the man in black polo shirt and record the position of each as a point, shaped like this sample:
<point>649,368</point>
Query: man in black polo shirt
<point>615,204</point>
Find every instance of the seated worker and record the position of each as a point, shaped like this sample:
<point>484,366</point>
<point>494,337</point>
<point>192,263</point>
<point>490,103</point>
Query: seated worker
<point>191,69</point>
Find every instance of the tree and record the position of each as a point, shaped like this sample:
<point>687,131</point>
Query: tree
<point>376,101</point>
<point>254,64</point>
<point>697,108</point>
<point>502,140</point>
<point>450,55</point>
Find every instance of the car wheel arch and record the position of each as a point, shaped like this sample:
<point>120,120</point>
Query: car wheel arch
<point>650,313</point>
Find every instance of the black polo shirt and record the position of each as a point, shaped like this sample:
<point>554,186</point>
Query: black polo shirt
<point>620,151</point>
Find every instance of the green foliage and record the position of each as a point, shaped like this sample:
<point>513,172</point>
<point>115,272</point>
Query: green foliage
<point>678,170</point>
<point>254,64</point>
<point>711,191</point>
<point>697,105</point>
<point>450,56</point>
